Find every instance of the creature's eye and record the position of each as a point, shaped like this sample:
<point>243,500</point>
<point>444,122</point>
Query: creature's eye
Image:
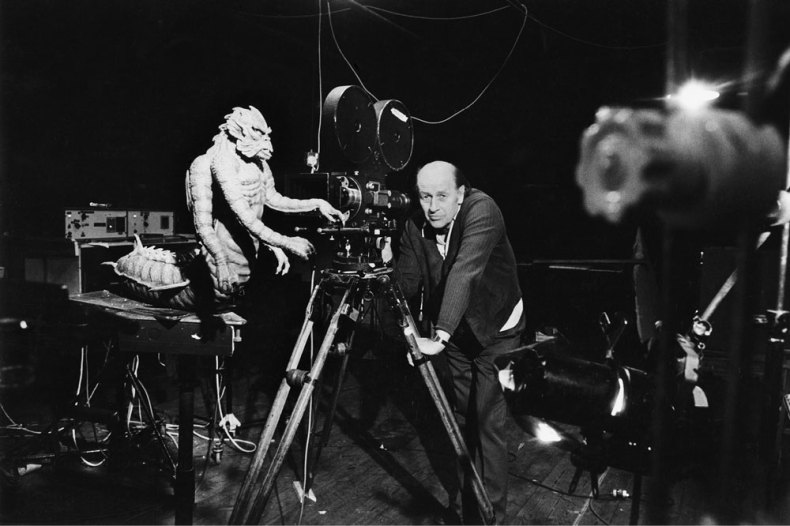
<point>425,197</point>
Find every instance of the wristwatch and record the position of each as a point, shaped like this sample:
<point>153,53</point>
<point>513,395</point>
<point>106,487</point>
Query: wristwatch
<point>439,339</point>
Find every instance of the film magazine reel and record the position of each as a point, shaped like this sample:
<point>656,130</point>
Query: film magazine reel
<point>377,138</point>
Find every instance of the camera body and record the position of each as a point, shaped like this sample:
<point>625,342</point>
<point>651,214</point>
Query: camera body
<point>376,136</point>
<point>363,197</point>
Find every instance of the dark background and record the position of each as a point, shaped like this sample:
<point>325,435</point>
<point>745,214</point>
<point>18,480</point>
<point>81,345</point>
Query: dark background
<point>109,101</point>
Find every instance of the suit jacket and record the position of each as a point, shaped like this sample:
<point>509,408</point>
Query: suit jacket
<point>476,285</point>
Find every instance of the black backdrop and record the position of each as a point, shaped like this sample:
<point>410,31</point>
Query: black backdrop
<point>109,101</point>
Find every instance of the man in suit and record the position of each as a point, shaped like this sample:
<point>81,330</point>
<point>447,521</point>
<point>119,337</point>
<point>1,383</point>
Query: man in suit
<point>457,253</point>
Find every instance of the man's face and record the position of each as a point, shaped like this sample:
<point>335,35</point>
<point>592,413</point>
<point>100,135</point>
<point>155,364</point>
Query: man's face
<point>439,197</point>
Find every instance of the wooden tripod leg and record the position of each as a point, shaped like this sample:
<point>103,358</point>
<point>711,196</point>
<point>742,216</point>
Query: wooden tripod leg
<point>241,509</point>
<point>401,308</point>
<point>262,495</point>
<point>326,429</point>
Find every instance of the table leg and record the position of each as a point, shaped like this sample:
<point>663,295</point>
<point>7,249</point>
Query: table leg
<point>185,473</point>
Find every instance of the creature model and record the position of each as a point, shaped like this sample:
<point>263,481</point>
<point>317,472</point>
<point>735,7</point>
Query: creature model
<point>229,226</point>
<point>159,276</point>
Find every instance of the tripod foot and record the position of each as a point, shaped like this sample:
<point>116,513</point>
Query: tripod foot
<point>301,494</point>
<point>12,473</point>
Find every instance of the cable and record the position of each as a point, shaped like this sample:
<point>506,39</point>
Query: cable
<point>595,44</point>
<point>107,349</point>
<point>320,90</point>
<point>447,18</point>
<point>452,115</point>
<point>82,366</point>
<point>556,490</point>
<point>376,8</point>
<point>82,457</point>
<point>87,376</point>
<point>597,516</point>
<point>309,418</point>
<point>7,415</point>
<point>19,427</point>
<point>485,88</point>
<point>220,393</point>
<point>343,55</point>
<point>308,15</point>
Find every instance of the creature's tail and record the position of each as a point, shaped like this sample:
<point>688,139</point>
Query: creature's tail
<point>156,275</point>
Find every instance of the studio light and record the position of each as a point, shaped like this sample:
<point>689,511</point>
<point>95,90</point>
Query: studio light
<point>693,95</point>
<point>546,434</point>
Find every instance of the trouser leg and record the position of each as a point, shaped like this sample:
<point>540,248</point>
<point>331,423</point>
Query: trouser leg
<point>491,454</point>
<point>460,368</point>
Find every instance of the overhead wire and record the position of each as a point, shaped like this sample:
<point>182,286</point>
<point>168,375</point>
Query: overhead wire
<point>343,55</point>
<point>490,82</point>
<point>418,119</point>
<point>447,18</point>
<point>320,86</point>
<point>379,10</point>
<point>595,44</point>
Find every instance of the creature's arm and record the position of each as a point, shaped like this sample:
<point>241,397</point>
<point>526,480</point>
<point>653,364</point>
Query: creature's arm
<point>226,166</point>
<point>199,201</point>
<point>277,201</point>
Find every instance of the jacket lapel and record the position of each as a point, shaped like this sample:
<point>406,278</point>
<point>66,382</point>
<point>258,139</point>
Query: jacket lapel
<point>455,241</point>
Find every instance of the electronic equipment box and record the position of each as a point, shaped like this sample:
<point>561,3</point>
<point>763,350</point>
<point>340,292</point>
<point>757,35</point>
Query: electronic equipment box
<point>116,224</point>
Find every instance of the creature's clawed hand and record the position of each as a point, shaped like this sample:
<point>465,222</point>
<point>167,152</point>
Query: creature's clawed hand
<point>330,212</point>
<point>300,246</point>
<point>226,282</point>
<point>283,265</point>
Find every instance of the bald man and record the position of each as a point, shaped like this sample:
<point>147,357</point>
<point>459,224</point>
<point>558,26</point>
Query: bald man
<point>457,253</point>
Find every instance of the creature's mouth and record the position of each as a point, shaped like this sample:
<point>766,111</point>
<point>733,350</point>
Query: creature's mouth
<point>266,152</point>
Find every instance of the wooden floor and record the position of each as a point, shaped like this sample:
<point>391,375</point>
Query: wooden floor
<point>385,461</point>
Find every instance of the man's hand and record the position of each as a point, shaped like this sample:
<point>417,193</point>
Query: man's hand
<point>429,347</point>
<point>330,212</point>
<point>385,245</point>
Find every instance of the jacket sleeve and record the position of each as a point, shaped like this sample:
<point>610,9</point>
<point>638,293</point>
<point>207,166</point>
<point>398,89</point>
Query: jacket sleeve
<point>483,227</point>
<point>407,268</point>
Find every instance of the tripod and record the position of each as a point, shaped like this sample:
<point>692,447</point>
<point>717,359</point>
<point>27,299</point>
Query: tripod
<point>356,286</point>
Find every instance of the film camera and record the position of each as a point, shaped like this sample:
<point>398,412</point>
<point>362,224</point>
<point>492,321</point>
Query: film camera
<point>377,138</point>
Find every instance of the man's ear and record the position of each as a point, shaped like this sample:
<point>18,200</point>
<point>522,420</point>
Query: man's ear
<point>461,189</point>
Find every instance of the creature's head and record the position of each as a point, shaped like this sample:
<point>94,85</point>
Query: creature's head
<point>249,129</point>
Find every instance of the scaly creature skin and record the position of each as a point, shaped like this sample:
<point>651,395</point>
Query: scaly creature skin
<point>237,164</point>
<point>158,276</point>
